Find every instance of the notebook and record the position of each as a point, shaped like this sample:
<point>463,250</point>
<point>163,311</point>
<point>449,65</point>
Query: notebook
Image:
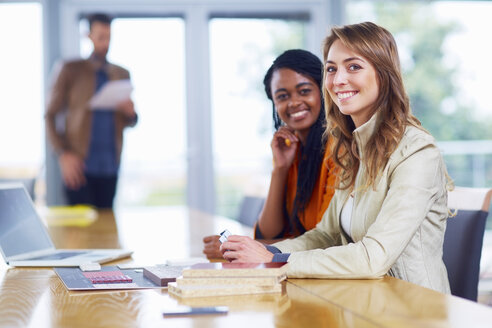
<point>24,240</point>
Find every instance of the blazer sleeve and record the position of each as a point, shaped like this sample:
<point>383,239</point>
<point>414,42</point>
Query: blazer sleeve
<point>325,234</point>
<point>414,184</point>
<point>57,103</point>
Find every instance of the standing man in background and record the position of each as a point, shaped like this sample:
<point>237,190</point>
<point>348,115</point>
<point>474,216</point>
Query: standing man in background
<point>90,142</point>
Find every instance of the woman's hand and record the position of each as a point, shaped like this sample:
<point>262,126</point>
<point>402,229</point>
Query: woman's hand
<point>245,250</point>
<point>211,247</point>
<point>284,146</point>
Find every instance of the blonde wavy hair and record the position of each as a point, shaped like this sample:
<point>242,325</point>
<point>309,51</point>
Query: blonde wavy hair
<point>378,47</point>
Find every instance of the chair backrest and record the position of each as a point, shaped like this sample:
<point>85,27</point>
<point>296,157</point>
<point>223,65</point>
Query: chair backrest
<point>250,210</point>
<point>464,238</point>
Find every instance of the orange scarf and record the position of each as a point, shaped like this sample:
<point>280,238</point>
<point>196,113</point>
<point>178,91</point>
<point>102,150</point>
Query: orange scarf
<point>321,195</point>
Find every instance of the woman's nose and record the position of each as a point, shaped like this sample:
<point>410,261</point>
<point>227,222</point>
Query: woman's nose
<point>294,100</point>
<point>340,78</point>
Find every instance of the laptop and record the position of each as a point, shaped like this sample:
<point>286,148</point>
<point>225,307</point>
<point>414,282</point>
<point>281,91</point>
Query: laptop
<point>24,240</point>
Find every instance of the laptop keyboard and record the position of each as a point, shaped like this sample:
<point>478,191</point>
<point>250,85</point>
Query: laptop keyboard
<point>58,256</point>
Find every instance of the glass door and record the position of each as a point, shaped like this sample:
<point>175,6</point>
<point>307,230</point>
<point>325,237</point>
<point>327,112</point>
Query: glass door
<point>153,165</point>
<point>242,122</point>
<point>22,101</point>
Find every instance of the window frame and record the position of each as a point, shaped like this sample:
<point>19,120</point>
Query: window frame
<point>62,32</point>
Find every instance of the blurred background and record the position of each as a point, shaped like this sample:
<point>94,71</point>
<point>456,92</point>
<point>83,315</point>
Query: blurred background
<point>203,138</point>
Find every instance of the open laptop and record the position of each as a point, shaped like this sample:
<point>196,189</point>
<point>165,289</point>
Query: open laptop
<point>24,240</point>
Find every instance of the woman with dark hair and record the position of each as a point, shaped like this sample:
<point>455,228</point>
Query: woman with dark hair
<point>389,212</point>
<point>302,179</point>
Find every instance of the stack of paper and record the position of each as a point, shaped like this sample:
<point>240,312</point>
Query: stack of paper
<point>221,279</point>
<point>111,94</point>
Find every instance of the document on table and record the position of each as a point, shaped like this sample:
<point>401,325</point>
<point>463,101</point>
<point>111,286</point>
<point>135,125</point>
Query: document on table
<point>111,94</point>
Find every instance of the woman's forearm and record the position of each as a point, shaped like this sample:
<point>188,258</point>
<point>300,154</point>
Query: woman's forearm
<point>271,221</point>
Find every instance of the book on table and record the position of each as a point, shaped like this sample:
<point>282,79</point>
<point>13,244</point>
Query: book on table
<point>236,270</point>
<point>258,281</point>
<point>223,279</point>
<point>220,290</point>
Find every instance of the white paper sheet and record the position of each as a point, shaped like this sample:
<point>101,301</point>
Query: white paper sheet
<point>111,94</point>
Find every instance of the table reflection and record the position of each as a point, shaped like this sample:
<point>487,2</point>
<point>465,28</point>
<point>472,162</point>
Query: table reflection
<point>101,232</point>
<point>20,294</point>
<point>408,306</point>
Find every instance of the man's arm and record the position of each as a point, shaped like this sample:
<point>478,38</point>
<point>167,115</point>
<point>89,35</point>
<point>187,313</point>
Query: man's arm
<point>71,164</point>
<point>57,102</point>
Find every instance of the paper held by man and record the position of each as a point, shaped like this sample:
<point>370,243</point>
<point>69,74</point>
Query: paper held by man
<point>111,94</point>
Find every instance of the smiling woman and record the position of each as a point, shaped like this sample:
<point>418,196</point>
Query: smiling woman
<point>351,82</point>
<point>297,100</point>
<point>302,179</point>
<point>389,212</point>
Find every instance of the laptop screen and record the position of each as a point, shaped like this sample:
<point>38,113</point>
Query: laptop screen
<point>21,230</point>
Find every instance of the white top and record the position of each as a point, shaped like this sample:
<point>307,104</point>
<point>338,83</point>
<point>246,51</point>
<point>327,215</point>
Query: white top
<point>346,215</point>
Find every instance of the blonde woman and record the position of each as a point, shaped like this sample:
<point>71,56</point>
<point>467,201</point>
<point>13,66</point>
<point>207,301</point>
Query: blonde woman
<point>388,214</point>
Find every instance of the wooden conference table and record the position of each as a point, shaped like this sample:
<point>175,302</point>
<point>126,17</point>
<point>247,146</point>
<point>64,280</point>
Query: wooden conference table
<point>37,298</point>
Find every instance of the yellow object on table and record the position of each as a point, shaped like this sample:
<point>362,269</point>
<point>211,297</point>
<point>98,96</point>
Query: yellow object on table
<point>76,215</point>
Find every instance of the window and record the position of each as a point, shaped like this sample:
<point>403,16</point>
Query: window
<point>21,82</point>
<point>153,166</point>
<point>292,24</point>
<point>241,52</point>
<point>442,49</point>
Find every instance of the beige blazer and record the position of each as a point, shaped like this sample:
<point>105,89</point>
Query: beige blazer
<point>397,229</point>
<point>71,92</point>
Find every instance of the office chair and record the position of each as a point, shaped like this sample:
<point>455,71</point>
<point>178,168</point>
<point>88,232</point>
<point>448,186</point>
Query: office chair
<point>463,239</point>
<point>250,209</point>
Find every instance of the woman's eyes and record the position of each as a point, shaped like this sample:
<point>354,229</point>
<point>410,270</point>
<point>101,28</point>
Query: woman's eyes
<point>354,67</point>
<point>350,67</point>
<point>331,69</point>
<point>284,96</point>
<point>281,96</point>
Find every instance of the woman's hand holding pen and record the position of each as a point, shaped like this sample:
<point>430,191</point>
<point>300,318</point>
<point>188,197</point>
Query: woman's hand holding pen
<point>245,250</point>
<point>211,247</point>
<point>284,146</point>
